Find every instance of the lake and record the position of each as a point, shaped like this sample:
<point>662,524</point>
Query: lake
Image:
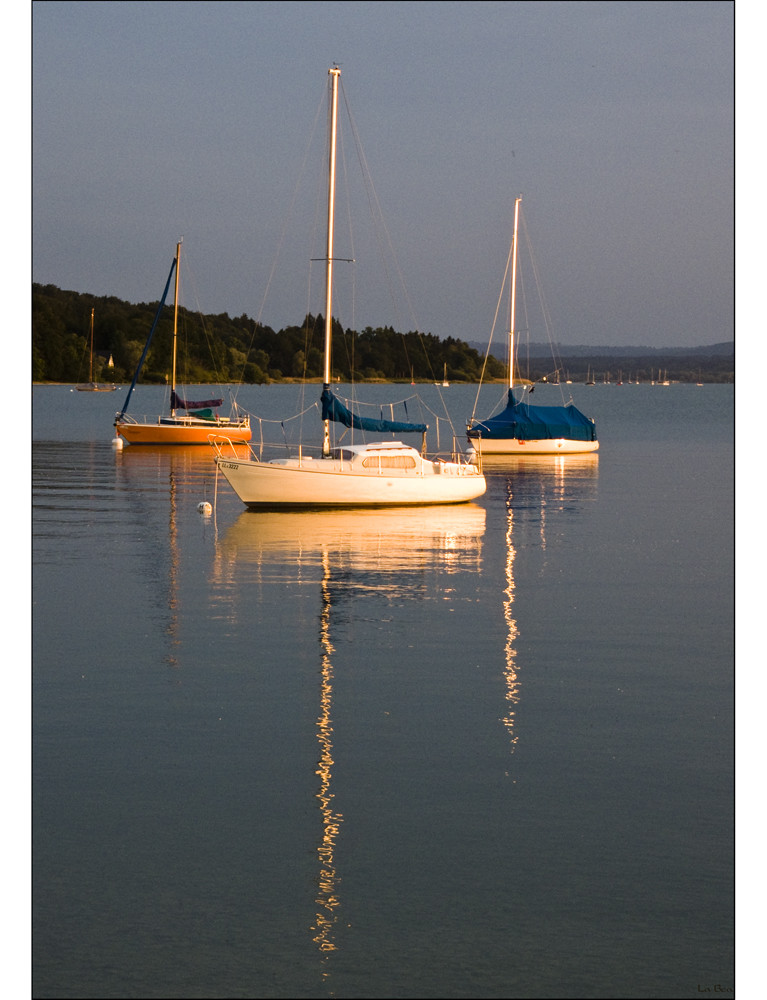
<point>472,751</point>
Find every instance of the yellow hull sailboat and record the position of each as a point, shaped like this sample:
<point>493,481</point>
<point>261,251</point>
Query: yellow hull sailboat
<point>189,422</point>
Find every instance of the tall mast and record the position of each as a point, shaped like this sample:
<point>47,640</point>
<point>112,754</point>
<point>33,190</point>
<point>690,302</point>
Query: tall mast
<point>91,371</point>
<point>334,74</point>
<point>513,293</point>
<point>175,332</point>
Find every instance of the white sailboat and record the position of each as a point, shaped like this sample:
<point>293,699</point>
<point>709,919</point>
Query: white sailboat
<point>523,429</point>
<point>444,383</point>
<point>385,473</point>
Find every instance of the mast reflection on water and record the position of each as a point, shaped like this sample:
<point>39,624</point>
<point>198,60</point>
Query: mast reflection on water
<point>386,552</point>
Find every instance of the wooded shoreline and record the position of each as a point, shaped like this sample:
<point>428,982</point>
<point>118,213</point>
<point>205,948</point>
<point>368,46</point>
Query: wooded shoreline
<point>219,349</point>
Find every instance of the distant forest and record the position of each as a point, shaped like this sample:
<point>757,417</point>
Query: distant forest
<point>218,349</point>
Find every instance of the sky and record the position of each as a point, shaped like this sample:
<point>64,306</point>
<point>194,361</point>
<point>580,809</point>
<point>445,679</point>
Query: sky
<point>614,121</point>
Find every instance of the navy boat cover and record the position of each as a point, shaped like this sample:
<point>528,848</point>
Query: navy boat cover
<point>177,403</point>
<point>523,422</point>
<point>334,409</point>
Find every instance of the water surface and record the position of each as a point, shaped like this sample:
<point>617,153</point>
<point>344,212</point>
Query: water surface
<point>481,751</point>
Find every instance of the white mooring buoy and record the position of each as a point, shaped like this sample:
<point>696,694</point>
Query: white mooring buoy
<point>204,508</point>
<point>117,443</point>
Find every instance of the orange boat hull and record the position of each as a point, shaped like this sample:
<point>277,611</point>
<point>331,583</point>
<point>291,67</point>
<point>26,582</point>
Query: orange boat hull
<point>182,433</point>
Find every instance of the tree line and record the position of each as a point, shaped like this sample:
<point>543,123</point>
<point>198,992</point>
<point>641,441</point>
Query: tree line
<point>217,350</point>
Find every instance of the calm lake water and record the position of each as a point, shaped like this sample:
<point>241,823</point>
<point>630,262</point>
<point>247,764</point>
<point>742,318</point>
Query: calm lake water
<point>481,751</point>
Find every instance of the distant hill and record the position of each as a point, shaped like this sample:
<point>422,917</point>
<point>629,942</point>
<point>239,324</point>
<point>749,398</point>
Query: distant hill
<point>578,362</point>
<point>724,349</point>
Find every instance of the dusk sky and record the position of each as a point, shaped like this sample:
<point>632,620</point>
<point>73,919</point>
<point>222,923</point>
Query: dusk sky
<point>614,121</point>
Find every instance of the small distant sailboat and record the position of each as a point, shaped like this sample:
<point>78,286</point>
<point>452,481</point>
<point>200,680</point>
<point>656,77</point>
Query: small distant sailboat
<point>444,383</point>
<point>90,385</point>
<point>198,420</point>
<point>522,429</point>
<point>382,474</point>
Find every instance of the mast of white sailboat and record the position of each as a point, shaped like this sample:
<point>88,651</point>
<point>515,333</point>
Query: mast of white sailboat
<point>334,74</point>
<point>175,335</point>
<point>513,294</point>
<point>90,379</point>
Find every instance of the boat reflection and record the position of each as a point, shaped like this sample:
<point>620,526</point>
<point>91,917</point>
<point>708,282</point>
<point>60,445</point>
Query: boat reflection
<point>327,897</point>
<point>558,466</point>
<point>184,471</point>
<point>350,552</point>
<point>192,461</point>
<point>382,549</point>
<point>510,676</point>
<point>544,485</point>
<point>534,486</point>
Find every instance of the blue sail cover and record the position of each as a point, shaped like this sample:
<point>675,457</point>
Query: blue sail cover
<point>522,422</point>
<point>177,403</point>
<point>334,409</point>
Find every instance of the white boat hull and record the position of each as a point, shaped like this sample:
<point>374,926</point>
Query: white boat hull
<point>341,482</point>
<point>544,446</point>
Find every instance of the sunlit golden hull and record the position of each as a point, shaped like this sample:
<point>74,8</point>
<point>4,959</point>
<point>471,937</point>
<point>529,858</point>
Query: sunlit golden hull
<point>182,431</point>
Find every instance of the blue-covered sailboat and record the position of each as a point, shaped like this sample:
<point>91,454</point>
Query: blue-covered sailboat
<point>523,429</point>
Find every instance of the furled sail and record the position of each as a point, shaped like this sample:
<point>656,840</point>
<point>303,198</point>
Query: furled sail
<point>334,409</point>
<point>177,403</point>
<point>144,353</point>
<point>536,423</point>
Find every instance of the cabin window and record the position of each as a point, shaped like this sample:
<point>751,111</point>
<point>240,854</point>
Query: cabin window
<point>388,462</point>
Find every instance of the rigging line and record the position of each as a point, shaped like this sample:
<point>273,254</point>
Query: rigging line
<point>437,419</point>
<point>374,204</point>
<point>184,318</point>
<point>284,420</point>
<point>523,328</point>
<point>291,207</point>
<point>556,357</point>
<point>310,144</point>
<point>320,212</point>
<point>381,230</point>
<point>286,219</point>
<point>352,259</point>
<point>397,402</point>
<point>347,190</point>
<point>492,329</point>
